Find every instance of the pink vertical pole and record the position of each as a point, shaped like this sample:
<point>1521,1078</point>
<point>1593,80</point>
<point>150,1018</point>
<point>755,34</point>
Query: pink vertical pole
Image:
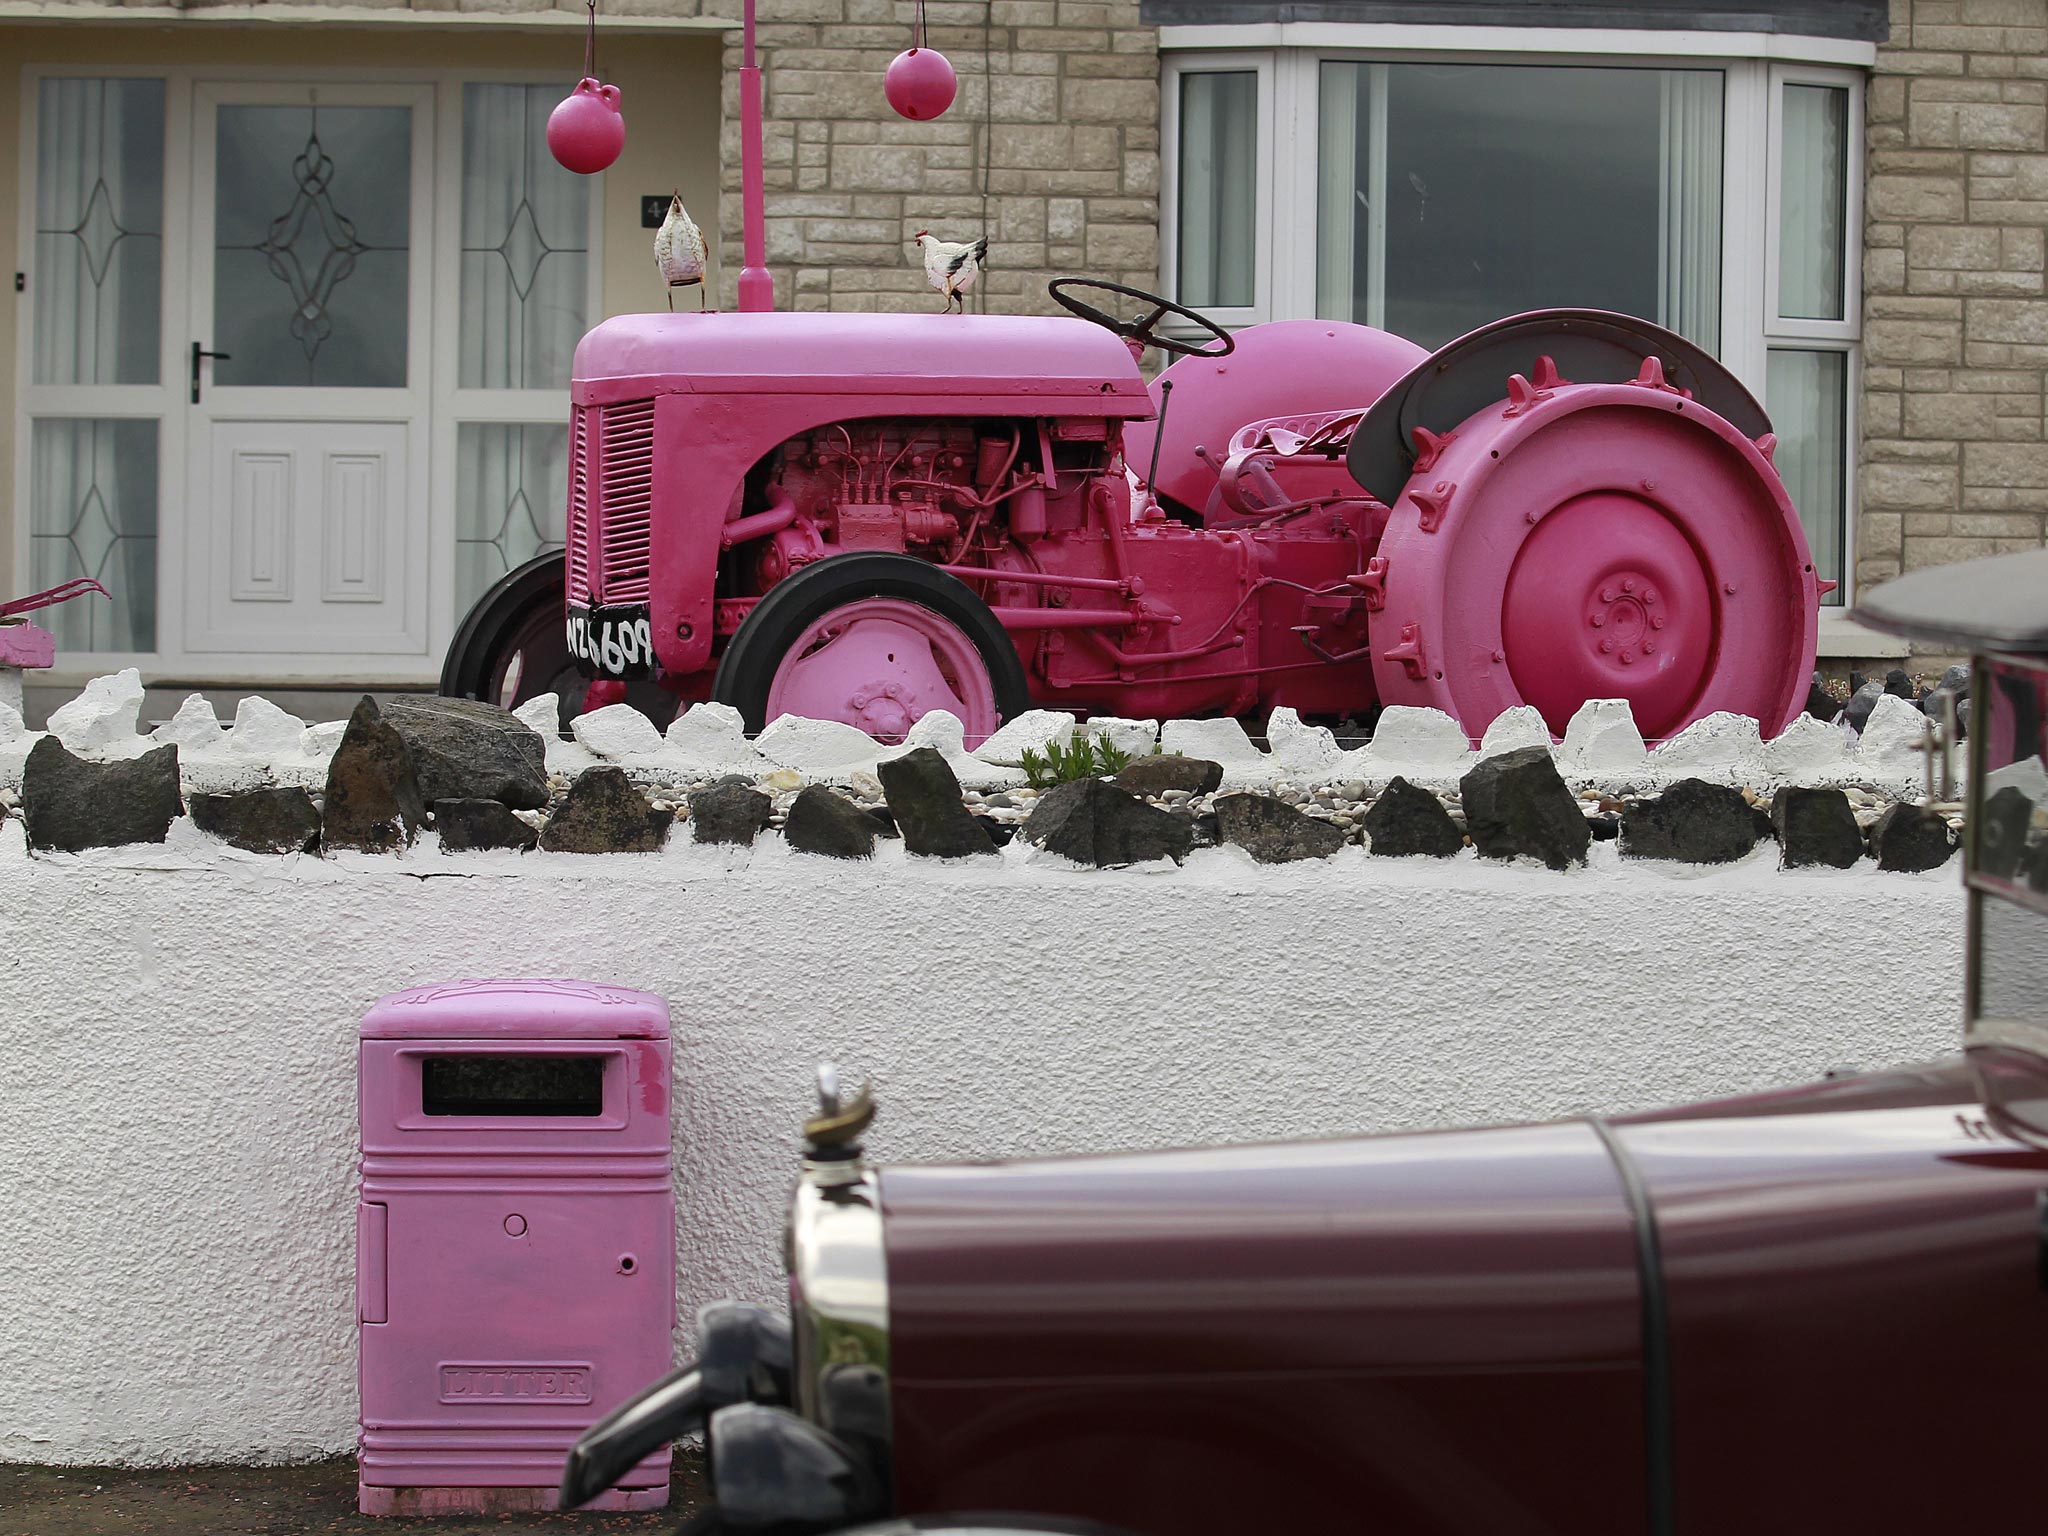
<point>757,283</point>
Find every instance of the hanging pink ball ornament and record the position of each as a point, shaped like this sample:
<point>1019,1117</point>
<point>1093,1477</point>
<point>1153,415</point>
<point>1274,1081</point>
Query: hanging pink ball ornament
<point>586,132</point>
<point>920,84</point>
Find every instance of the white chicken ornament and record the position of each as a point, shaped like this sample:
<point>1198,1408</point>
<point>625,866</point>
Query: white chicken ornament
<point>679,251</point>
<point>952,265</point>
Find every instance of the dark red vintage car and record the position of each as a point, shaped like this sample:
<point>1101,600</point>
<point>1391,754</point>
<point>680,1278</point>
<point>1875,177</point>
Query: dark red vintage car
<point>1823,1310</point>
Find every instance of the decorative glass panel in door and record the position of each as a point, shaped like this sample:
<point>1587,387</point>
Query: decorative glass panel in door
<point>312,225</point>
<point>309,529</point>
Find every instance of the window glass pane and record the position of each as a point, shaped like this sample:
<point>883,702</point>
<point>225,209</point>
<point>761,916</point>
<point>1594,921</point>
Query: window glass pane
<point>1350,186</point>
<point>311,245</point>
<point>525,243</point>
<point>1812,188</point>
<point>1503,188</point>
<point>98,283</point>
<point>1219,144</point>
<point>1807,395</point>
<point>511,500</point>
<point>92,512</point>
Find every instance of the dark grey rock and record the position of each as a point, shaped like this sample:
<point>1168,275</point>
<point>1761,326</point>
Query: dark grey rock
<point>1897,684</point>
<point>729,810</point>
<point>1856,681</point>
<point>884,820</point>
<point>1516,803</point>
<point>1861,703</point>
<point>1605,826</point>
<point>2002,832</point>
<point>1819,702</point>
<point>604,813</point>
<point>1693,821</point>
<point>924,797</point>
<point>260,820</point>
<point>465,749</point>
<point>1953,684</point>
<point>69,803</point>
<point>1207,829</point>
<point>824,823</point>
<point>373,798</point>
<point>1162,771</point>
<point>471,824</point>
<point>1274,832</point>
<point>1406,820</point>
<point>1908,838</point>
<point>999,832</point>
<point>1091,821</point>
<point>1816,826</point>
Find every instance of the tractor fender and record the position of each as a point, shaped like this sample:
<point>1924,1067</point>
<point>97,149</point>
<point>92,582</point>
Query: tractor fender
<point>1587,346</point>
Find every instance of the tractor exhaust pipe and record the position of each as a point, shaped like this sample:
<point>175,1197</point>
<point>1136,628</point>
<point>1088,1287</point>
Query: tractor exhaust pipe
<point>757,283</point>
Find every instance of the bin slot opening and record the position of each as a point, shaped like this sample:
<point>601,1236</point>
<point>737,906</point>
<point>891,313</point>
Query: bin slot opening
<point>512,1085</point>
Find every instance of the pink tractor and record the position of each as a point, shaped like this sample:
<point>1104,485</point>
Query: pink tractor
<point>865,517</point>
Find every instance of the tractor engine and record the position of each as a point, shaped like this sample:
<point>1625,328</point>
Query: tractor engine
<point>952,492</point>
<point>1167,615</point>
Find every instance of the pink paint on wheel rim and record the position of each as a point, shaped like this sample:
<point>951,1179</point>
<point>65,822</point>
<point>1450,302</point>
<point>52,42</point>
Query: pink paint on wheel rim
<point>881,664</point>
<point>1596,541</point>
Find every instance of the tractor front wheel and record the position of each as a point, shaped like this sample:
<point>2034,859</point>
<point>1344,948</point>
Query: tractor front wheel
<point>876,641</point>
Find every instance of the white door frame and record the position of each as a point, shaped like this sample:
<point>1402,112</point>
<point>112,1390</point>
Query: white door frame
<point>167,400</point>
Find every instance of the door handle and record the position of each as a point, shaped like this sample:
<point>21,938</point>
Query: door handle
<point>198,352</point>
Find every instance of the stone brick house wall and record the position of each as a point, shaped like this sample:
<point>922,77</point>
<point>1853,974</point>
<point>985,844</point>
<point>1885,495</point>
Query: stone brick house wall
<point>1955,460</point>
<point>1051,149</point>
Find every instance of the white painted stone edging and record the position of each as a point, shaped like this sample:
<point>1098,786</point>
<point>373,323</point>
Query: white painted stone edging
<point>1601,750</point>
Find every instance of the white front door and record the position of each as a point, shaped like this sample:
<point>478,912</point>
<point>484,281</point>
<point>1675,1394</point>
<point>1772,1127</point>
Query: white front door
<point>307,371</point>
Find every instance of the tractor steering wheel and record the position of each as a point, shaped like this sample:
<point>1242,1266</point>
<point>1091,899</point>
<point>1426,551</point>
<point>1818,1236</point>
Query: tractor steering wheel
<point>1141,331</point>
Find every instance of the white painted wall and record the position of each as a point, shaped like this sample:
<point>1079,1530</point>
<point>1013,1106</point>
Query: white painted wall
<point>177,1132</point>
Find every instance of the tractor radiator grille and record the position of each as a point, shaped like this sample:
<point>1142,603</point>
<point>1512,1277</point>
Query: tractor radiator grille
<point>578,549</point>
<point>625,499</point>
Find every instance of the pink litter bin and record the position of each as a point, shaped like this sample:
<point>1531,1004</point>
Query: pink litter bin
<point>515,1240</point>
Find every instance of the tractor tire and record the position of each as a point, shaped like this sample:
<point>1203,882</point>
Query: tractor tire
<point>512,647</point>
<point>876,641</point>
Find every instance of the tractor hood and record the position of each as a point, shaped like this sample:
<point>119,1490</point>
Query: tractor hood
<point>1055,363</point>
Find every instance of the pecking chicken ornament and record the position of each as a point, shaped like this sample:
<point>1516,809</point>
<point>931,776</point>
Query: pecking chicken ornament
<point>679,251</point>
<point>952,265</point>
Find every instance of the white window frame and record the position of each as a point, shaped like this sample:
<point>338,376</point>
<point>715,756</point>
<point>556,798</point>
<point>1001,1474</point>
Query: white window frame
<point>1845,335</point>
<point>1755,68</point>
<point>1263,203</point>
<point>167,401</point>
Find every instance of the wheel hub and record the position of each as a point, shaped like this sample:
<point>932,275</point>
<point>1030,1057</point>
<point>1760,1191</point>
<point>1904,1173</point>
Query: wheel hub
<point>1608,599</point>
<point>1624,615</point>
<point>884,710</point>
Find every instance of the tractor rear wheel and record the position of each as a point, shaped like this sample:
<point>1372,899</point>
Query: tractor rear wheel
<point>1595,541</point>
<point>513,646</point>
<point>876,641</point>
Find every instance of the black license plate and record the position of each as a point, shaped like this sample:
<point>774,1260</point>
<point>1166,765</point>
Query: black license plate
<point>616,641</point>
